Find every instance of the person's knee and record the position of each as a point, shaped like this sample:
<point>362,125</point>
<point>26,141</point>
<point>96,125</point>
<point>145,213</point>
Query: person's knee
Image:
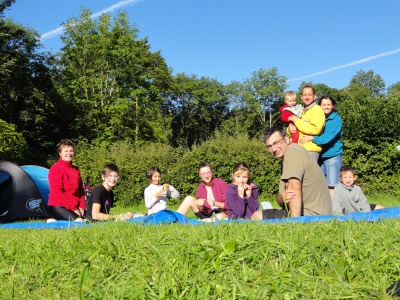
<point>189,199</point>
<point>257,215</point>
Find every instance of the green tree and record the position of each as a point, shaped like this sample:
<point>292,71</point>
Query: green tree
<point>264,91</point>
<point>394,89</point>
<point>368,79</point>
<point>321,90</point>
<point>12,144</point>
<point>198,107</point>
<point>28,98</point>
<point>241,117</point>
<point>113,79</point>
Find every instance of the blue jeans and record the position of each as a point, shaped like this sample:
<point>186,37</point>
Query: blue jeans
<point>330,167</point>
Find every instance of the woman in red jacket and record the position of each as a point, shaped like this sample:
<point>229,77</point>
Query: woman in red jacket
<point>67,196</point>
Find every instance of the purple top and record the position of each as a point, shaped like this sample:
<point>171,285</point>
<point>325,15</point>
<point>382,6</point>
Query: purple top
<point>218,187</point>
<point>241,207</point>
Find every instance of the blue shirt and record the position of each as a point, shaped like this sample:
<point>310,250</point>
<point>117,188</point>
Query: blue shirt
<point>330,138</point>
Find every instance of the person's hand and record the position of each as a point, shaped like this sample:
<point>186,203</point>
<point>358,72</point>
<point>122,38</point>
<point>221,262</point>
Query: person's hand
<point>288,195</point>
<point>79,212</point>
<point>123,216</point>
<point>247,190</point>
<point>305,138</point>
<point>244,189</point>
<point>211,202</point>
<point>200,203</point>
<point>160,193</point>
<point>165,187</point>
<point>293,118</point>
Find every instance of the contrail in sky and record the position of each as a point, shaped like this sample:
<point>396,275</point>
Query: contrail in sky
<point>357,62</point>
<point>59,30</point>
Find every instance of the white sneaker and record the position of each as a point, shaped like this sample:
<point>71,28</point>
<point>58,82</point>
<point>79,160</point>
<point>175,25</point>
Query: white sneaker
<point>79,220</point>
<point>266,205</point>
<point>51,220</point>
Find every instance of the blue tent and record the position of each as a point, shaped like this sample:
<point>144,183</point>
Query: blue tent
<point>23,192</point>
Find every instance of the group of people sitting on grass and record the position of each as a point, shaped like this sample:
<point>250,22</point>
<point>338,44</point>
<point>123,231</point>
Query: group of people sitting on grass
<point>303,189</point>
<point>313,180</point>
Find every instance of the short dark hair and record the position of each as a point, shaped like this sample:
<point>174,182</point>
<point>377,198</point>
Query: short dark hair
<point>309,87</point>
<point>151,171</point>
<point>344,169</point>
<point>64,143</point>
<point>270,131</point>
<point>108,168</point>
<point>204,164</point>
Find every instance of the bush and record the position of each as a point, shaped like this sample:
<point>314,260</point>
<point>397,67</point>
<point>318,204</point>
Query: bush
<point>133,163</point>
<point>377,167</point>
<point>179,167</point>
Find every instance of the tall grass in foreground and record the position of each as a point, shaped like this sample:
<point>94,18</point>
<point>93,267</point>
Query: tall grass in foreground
<point>331,260</point>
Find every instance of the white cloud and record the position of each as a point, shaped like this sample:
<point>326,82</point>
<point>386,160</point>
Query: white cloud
<point>357,62</point>
<point>59,30</point>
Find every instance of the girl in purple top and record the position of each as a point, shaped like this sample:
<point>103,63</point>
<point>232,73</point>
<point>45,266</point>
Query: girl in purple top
<point>210,196</point>
<point>241,195</point>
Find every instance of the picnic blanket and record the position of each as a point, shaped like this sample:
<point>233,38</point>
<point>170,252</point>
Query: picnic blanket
<point>169,216</point>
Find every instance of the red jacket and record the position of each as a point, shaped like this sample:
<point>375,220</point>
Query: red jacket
<point>65,185</point>
<point>285,114</point>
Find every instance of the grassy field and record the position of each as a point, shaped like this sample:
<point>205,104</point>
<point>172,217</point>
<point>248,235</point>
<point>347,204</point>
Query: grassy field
<point>330,260</point>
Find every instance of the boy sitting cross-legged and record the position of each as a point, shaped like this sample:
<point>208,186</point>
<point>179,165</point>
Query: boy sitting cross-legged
<point>348,197</point>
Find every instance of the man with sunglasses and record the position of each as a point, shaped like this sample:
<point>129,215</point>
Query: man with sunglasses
<point>303,189</point>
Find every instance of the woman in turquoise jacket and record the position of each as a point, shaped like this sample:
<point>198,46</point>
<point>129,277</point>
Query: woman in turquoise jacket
<point>332,147</point>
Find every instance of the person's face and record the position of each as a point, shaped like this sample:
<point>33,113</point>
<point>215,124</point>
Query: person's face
<point>307,96</point>
<point>277,145</point>
<point>156,178</point>
<point>240,177</point>
<point>326,106</point>
<point>67,153</point>
<point>290,101</point>
<point>348,178</point>
<point>292,128</point>
<point>111,179</point>
<point>206,174</point>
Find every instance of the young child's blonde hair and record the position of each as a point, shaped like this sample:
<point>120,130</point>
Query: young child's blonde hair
<point>289,95</point>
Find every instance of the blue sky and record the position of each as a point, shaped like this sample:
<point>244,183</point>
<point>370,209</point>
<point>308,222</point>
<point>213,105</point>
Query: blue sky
<point>311,40</point>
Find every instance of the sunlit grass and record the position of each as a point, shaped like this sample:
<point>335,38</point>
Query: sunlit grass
<point>328,260</point>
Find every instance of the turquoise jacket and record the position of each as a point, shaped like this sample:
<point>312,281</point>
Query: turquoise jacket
<point>330,138</point>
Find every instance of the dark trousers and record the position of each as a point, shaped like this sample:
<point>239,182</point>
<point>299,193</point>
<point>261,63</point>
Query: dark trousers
<point>62,213</point>
<point>274,214</point>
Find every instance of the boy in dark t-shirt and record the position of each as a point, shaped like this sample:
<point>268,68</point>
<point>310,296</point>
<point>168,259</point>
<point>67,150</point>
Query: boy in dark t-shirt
<point>101,198</point>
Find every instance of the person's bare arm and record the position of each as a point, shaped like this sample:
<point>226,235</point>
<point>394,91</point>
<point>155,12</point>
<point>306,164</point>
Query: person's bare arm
<point>285,197</point>
<point>296,202</point>
<point>97,215</point>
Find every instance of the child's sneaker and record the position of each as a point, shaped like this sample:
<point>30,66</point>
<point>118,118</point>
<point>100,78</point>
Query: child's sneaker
<point>51,220</point>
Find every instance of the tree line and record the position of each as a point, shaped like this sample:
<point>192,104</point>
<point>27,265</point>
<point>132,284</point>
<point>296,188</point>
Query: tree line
<point>106,85</point>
